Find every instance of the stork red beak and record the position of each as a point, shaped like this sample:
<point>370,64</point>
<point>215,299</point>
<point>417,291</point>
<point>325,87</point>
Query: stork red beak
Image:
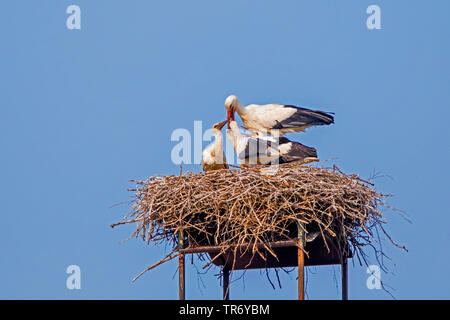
<point>228,118</point>
<point>230,115</point>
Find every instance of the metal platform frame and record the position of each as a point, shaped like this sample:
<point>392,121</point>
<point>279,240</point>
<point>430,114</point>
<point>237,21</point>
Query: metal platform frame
<point>299,243</point>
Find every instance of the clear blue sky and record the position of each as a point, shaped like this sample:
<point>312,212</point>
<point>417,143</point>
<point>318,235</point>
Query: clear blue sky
<point>85,110</point>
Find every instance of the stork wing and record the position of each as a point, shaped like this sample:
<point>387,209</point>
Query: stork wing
<point>296,151</point>
<point>255,147</point>
<point>303,118</point>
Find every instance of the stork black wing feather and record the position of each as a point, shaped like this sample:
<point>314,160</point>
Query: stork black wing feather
<point>298,152</point>
<point>255,147</point>
<point>305,118</point>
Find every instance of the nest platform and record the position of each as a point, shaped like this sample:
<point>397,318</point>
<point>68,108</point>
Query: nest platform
<point>258,217</point>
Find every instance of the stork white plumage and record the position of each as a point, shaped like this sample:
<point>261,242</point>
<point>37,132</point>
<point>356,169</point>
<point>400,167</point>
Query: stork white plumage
<point>213,157</point>
<point>252,151</point>
<point>275,119</point>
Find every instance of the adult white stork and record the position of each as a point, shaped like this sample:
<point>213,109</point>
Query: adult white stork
<point>213,157</point>
<point>275,119</point>
<point>252,151</point>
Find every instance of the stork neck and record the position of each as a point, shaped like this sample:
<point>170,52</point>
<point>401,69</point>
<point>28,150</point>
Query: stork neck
<point>233,134</point>
<point>235,130</point>
<point>217,135</point>
<point>218,138</point>
<point>240,108</point>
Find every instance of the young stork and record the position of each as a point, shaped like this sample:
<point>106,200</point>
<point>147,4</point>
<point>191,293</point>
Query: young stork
<point>213,157</point>
<point>267,150</point>
<point>275,119</point>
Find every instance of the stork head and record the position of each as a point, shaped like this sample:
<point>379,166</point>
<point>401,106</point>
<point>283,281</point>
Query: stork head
<point>231,103</point>
<point>219,125</point>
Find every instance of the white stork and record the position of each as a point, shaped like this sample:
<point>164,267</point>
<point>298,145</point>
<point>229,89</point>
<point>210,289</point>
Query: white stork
<point>275,119</point>
<point>213,157</point>
<point>267,150</point>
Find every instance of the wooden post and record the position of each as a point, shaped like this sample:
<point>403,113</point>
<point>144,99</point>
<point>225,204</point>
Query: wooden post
<point>226,283</point>
<point>181,284</point>
<point>301,263</point>
<point>344,271</point>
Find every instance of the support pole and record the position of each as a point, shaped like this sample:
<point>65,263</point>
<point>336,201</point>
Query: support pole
<point>301,263</point>
<point>344,271</point>
<point>181,284</point>
<point>226,283</point>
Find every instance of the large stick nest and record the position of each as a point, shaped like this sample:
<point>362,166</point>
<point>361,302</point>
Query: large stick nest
<point>233,207</point>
